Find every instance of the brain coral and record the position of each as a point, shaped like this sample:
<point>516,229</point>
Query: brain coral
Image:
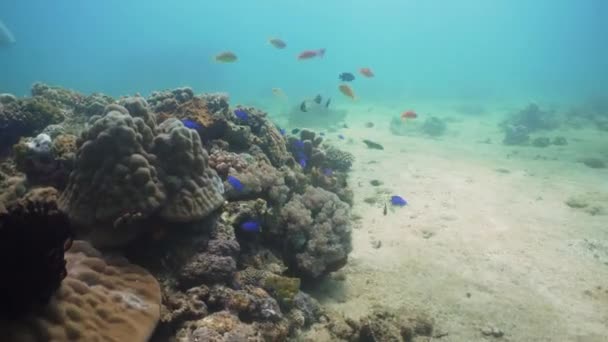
<point>318,229</point>
<point>101,299</point>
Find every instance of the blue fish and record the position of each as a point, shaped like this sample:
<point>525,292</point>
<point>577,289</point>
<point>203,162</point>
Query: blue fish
<point>328,172</point>
<point>298,144</point>
<point>191,124</point>
<point>241,114</point>
<point>303,162</point>
<point>341,136</point>
<point>283,131</point>
<point>398,200</point>
<point>251,226</point>
<point>236,183</point>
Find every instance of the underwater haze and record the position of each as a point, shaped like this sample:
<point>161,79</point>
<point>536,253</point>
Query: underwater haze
<point>304,170</point>
<point>554,50</point>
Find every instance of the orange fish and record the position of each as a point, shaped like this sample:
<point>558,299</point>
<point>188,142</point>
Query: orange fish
<point>226,57</point>
<point>367,72</point>
<point>346,90</point>
<point>277,43</point>
<point>410,114</point>
<point>308,54</point>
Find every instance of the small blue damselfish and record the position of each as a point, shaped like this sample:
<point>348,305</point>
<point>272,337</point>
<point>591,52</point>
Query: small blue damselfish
<point>298,144</point>
<point>251,226</point>
<point>236,183</point>
<point>241,114</point>
<point>398,200</point>
<point>191,124</point>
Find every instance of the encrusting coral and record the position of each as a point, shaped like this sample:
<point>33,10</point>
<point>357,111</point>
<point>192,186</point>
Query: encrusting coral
<point>101,299</point>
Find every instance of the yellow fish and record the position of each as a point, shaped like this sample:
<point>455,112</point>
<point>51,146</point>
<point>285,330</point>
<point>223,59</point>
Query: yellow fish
<point>346,90</point>
<point>225,57</point>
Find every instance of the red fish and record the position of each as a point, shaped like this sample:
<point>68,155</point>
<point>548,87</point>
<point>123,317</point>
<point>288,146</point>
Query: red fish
<point>308,54</point>
<point>367,72</point>
<point>410,114</point>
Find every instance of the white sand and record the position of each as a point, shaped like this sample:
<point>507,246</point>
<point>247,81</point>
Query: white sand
<point>507,239</point>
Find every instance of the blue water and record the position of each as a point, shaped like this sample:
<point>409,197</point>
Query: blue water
<point>471,49</point>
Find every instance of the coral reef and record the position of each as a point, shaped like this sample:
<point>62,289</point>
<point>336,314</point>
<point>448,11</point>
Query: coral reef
<point>34,236</point>
<point>113,178</point>
<point>124,174</point>
<point>26,117</point>
<point>519,125</point>
<point>46,161</point>
<point>193,189</point>
<point>317,228</point>
<point>155,180</point>
<point>434,126</point>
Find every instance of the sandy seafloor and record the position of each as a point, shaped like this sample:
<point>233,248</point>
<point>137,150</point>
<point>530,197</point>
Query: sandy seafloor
<point>486,240</point>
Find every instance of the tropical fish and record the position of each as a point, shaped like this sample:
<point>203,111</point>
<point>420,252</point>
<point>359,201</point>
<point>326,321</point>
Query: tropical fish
<point>410,114</point>
<point>318,99</point>
<point>235,183</point>
<point>302,162</point>
<point>303,107</point>
<point>385,210</point>
<point>6,37</point>
<point>241,114</point>
<point>373,145</point>
<point>346,77</point>
<point>328,172</point>
<point>340,136</point>
<point>322,134</point>
<point>298,144</point>
<point>327,103</point>
<point>191,124</point>
<point>277,43</point>
<point>369,124</point>
<point>282,131</point>
<point>346,90</point>
<point>309,54</point>
<point>295,131</point>
<point>367,72</point>
<point>251,226</point>
<point>398,200</point>
<point>226,57</point>
<point>278,92</point>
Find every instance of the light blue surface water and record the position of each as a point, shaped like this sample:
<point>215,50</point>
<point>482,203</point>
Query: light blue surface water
<point>471,49</point>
